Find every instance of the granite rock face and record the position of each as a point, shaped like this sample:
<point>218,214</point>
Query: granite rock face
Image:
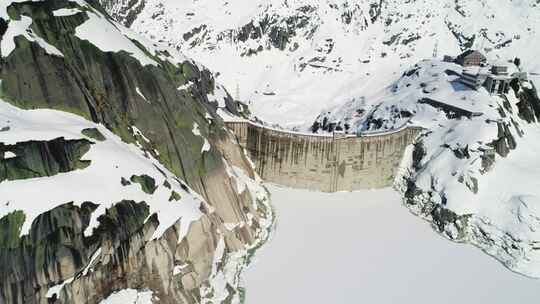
<point>153,107</point>
<point>42,158</point>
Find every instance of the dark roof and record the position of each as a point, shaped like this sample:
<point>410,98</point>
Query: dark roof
<point>469,53</point>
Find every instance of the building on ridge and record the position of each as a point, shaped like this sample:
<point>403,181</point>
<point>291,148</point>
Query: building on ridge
<point>471,58</point>
<point>495,79</point>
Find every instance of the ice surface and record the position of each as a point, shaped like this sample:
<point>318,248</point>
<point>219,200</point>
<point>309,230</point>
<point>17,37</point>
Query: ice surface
<point>364,247</point>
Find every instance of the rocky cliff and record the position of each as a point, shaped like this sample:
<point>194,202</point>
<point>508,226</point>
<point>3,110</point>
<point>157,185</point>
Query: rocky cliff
<point>116,172</point>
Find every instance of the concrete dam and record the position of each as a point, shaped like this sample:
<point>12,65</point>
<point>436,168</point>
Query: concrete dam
<point>324,162</point>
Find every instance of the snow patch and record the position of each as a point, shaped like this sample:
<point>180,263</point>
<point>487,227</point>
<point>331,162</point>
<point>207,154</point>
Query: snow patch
<point>9,154</point>
<point>141,94</point>
<point>22,28</point>
<point>196,131</point>
<point>219,95</point>
<point>106,36</point>
<point>130,296</point>
<point>63,12</point>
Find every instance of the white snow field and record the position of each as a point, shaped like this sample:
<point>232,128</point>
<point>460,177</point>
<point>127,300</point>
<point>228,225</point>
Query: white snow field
<point>364,247</point>
<point>331,59</point>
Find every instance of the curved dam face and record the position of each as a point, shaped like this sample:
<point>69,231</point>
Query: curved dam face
<point>324,163</point>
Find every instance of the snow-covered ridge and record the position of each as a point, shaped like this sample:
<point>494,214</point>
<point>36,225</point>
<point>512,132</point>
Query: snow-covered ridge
<point>467,172</point>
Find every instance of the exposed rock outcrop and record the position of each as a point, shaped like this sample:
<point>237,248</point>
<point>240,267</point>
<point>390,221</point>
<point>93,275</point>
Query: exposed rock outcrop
<point>529,105</point>
<point>42,158</point>
<point>147,183</point>
<point>124,11</point>
<point>93,133</point>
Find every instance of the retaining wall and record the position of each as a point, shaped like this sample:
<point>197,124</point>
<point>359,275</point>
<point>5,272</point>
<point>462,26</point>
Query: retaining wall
<point>324,163</point>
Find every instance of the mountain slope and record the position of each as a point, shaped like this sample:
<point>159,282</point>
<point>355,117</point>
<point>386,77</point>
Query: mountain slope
<point>293,59</point>
<point>139,187</point>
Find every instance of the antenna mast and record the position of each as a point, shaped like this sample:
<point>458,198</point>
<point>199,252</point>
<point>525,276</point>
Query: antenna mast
<point>237,97</point>
<point>482,32</point>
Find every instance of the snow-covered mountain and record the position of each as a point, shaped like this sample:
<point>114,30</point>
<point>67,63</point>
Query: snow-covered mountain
<point>293,59</point>
<point>118,181</point>
<point>362,65</point>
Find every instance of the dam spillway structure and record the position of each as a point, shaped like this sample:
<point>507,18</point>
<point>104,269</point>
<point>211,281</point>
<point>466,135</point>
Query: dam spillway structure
<point>328,163</point>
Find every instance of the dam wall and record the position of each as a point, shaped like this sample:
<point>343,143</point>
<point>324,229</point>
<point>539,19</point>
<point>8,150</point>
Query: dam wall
<point>322,162</point>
